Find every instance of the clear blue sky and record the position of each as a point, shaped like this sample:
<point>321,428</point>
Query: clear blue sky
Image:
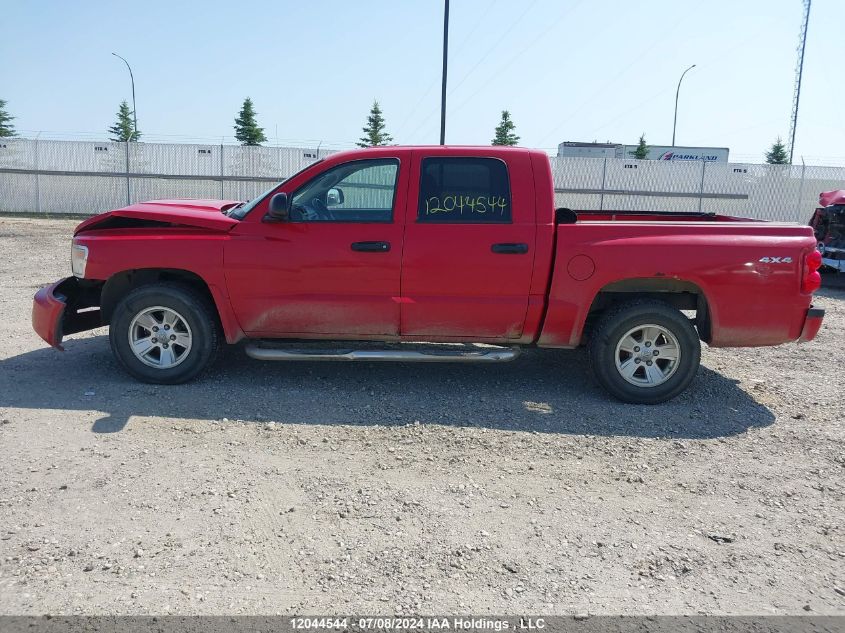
<point>566,69</point>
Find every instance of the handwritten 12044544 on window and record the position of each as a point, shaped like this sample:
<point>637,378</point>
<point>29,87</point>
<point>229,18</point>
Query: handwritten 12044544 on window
<point>469,205</point>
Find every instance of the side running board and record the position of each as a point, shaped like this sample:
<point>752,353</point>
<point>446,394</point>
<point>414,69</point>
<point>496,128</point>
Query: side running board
<point>493,355</point>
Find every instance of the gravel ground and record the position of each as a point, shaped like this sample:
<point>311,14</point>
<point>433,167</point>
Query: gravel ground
<point>381,488</point>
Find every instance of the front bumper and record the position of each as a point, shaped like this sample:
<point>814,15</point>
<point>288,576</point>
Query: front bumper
<point>62,308</point>
<point>812,324</point>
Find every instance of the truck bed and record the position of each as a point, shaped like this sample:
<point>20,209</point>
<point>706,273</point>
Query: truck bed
<point>747,273</point>
<point>656,216</point>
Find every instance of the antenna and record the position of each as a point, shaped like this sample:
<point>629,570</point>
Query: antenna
<point>799,71</point>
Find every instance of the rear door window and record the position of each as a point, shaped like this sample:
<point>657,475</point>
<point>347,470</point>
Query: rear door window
<point>464,191</point>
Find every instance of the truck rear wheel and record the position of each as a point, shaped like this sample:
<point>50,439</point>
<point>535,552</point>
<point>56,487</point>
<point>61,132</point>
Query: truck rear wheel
<point>644,352</point>
<point>164,333</point>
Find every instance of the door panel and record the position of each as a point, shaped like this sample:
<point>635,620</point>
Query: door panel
<point>465,277</point>
<point>312,279</point>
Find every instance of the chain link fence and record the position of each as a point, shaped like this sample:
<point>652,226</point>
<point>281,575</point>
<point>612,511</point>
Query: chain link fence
<point>83,177</point>
<point>786,193</point>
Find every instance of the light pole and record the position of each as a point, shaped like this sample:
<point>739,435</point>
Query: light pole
<point>796,95</point>
<point>132,79</point>
<point>445,59</point>
<point>677,92</point>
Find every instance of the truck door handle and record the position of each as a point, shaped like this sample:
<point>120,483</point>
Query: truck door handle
<point>371,247</point>
<point>509,248</point>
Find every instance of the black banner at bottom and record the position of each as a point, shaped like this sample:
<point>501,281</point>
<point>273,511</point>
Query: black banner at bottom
<point>422,624</point>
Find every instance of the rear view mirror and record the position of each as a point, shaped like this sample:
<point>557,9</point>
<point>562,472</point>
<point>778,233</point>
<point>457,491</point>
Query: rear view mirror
<point>334,197</point>
<point>279,209</point>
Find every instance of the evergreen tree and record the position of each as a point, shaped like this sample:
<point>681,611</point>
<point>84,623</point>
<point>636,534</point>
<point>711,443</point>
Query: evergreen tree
<point>6,127</point>
<point>505,131</point>
<point>124,129</point>
<point>374,132</point>
<point>777,154</point>
<point>246,127</point>
<point>641,152</point>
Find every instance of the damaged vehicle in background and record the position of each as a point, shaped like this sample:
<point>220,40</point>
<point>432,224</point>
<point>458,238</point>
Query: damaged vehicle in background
<point>828,224</point>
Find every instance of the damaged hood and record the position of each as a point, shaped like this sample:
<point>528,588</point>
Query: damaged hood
<point>203,214</point>
<point>829,198</point>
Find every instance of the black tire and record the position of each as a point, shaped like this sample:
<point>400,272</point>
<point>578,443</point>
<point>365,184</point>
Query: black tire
<point>615,324</point>
<point>196,310</point>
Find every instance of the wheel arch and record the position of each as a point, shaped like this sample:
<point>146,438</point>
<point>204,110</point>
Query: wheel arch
<point>120,284</point>
<point>679,293</point>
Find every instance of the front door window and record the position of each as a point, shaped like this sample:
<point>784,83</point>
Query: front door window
<point>358,191</point>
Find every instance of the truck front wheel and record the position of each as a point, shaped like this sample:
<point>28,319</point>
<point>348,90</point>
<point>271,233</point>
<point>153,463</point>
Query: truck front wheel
<point>164,333</point>
<point>644,352</point>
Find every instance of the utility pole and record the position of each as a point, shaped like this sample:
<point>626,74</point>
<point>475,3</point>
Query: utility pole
<point>445,61</point>
<point>678,92</point>
<point>799,71</point>
<point>132,79</point>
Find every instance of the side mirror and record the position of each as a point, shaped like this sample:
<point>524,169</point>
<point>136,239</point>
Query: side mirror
<point>279,209</point>
<point>334,197</point>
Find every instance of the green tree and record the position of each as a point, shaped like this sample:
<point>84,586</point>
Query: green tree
<point>374,132</point>
<point>641,151</point>
<point>246,126</point>
<point>505,131</point>
<point>6,127</point>
<point>777,154</point>
<point>124,129</point>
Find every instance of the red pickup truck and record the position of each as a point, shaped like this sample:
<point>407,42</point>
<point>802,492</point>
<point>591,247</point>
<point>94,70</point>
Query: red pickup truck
<point>459,248</point>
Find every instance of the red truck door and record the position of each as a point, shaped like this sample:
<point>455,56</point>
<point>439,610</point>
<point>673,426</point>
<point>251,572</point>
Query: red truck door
<point>334,268</point>
<point>470,235</point>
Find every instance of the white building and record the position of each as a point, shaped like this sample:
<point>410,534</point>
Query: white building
<point>655,152</point>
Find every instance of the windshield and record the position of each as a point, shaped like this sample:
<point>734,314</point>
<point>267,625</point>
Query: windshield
<point>240,211</point>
